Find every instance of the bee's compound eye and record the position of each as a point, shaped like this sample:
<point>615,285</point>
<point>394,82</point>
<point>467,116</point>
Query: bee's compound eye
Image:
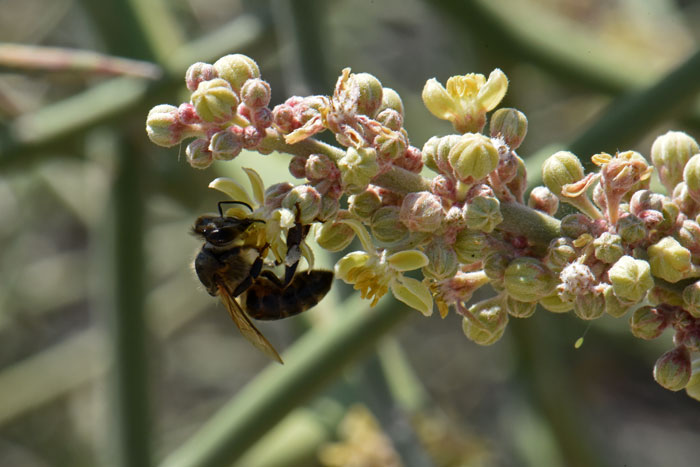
<point>221,237</point>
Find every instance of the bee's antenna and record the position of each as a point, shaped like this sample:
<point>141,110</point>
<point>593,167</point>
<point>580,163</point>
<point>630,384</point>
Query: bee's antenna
<point>221,213</point>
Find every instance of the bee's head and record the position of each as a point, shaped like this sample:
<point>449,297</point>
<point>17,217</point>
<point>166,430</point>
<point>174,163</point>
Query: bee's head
<point>221,231</point>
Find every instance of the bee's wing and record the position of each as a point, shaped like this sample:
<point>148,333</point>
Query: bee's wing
<point>246,327</point>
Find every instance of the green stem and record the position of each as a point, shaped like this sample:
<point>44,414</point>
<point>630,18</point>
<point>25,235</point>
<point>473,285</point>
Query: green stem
<point>314,361</point>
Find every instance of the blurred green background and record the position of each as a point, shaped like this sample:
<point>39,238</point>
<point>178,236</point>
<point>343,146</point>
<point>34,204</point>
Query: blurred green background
<point>111,353</point>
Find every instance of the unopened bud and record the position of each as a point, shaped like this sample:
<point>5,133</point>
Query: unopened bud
<point>334,236</point>
<point>542,199</point>
<point>613,305</point>
<point>486,324</point>
<point>444,187</point>
<point>364,204</point>
<point>227,144</point>
<point>306,199</point>
<point>443,261</point>
<point>691,177</point>
<point>560,252</point>
<point>357,167</point>
<point>608,247</point>
<point>422,212</point>
<point>297,167</point>
<point>518,185</point>
<point>483,213</point>
<point>214,100</point>
<point>198,72</point>
<point>555,304</point>
<point>681,198</point>
<point>436,152</point>
<point>561,168</point>
<point>470,246</point>
<point>473,157</point>
<point>237,69</point>
<point>528,279</point>
<point>519,309</point>
<point>370,93</point>
<point>647,323</point>
<point>575,225</point>
<point>319,167</point>
<point>631,228</point>
<point>669,260</point>
<point>256,93</point>
<point>631,278</point>
<point>164,127</point>
<point>387,227</point>
<point>330,207</point>
<point>391,119</point>
<point>390,145</point>
<point>673,369</point>
<point>198,154</point>
<point>670,153</point>
<point>589,306</point>
<point>274,194</point>
<point>510,124</point>
<point>691,299</point>
<point>391,101</point>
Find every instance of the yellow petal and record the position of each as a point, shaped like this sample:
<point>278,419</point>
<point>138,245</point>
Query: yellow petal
<point>492,92</point>
<point>257,185</point>
<point>408,260</point>
<point>232,188</point>
<point>414,294</point>
<point>437,100</point>
<point>356,259</point>
<point>308,254</point>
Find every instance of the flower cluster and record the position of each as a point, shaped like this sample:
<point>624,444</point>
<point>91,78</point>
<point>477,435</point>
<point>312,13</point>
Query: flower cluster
<point>626,251</point>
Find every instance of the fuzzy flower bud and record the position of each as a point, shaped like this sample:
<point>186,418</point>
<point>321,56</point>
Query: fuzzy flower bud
<point>198,72</point>
<point>528,279</point>
<point>575,225</point>
<point>631,228</point>
<point>164,127</point>
<point>510,124</point>
<point>443,260</point>
<point>391,100</point>
<point>673,369</point>
<point>390,119</point>
<point>473,157</point>
<point>422,212</point>
<point>555,304</point>
<point>236,69</point>
<point>364,204</point>
<point>387,227</point>
<point>214,100</point>
<point>357,167</point>
<point>608,247</point>
<point>390,145</point>
<point>647,323</point>
<point>577,279</point>
<point>670,153</point>
<point>561,168</point>
<point>306,199</point>
<point>560,252</point>
<point>589,306</point>
<point>689,236</point>
<point>542,199</point>
<point>319,167</point>
<point>334,236</point>
<point>613,305</point>
<point>256,93</point>
<point>669,260</point>
<point>519,309</point>
<point>274,194</point>
<point>483,213</point>
<point>691,299</point>
<point>470,246</point>
<point>631,278</point>
<point>370,93</point>
<point>226,144</point>
<point>485,323</point>
<point>198,154</point>
<point>691,177</point>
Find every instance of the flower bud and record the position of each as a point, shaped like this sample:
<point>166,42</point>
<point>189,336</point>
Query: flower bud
<point>560,252</point>
<point>555,304</point>
<point>691,299</point>
<point>575,225</point>
<point>608,247</point>
<point>528,279</point>
<point>681,198</point>
<point>436,151</point>
<point>370,93</point>
<point>470,246</point>
<point>390,145</point>
<point>669,260</point>
<point>487,323</point>
<point>329,208</point>
<point>357,167</point>
<point>274,194</point>
<point>670,153</point>
<point>519,309</point>
<point>542,199</point>
<point>647,323</point>
<point>236,69</point>
<point>392,101</point>
<point>319,167</point>
<point>422,212</point>
<point>387,227</point>
<point>589,306</point>
<point>364,204</point>
<point>691,177</point>
<point>198,72</point>
<point>631,228</point>
<point>689,236</point>
<point>613,305</point>
<point>510,124</point>
<point>334,236</point>
<point>518,184</point>
<point>226,144</point>
<point>473,157</point>
<point>576,279</point>
<point>561,168</point>
<point>631,278</point>
<point>443,261</point>
<point>198,154</point>
<point>214,100</point>
<point>445,188</point>
<point>164,127</point>
<point>306,199</point>
<point>673,369</point>
<point>390,118</point>
<point>256,93</point>
<point>483,213</point>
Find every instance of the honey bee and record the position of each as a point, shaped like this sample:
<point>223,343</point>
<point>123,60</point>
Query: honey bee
<point>229,267</point>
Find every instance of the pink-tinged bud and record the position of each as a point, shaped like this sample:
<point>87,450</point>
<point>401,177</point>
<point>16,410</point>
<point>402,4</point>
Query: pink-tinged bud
<point>164,127</point>
<point>519,309</point>
<point>306,199</point>
<point>473,157</point>
<point>670,153</point>
<point>575,225</point>
<point>560,252</point>
<point>357,167</point>
<point>261,118</point>
<point>387,227</point>
<point>669,260</point>
<point>236,69</point>
<point>197,73</point>
<point>648,323</point>
<point>335,236</point>
<point>631,228</point>
<point>471,246</point>
<point>411,160</point>
<point>691,299</point>
<point>391,119</point>
<point>297,167</point>
<point>483,213</point>
<point>509,124</point>
<point>508,164</point>
<point>198,154</point>
<point>443,187</point>
<point>577,279</point>
<point>187,114</point>
<point>256,93</point>
<point>528,279</point>
<point>274,194</point>
<point>422,212</point>
<point>673,369</point>
<point>370,92</point>
<point>320,166</point>
<point>644,200</point>
<point>227,144</point>
<point>681,198</point>
<point>689,236</point>
<point>518,185</point>
<point>442,259</point>
<point>215,101</point>
<point>390,145</point>
<point>284,118</point>
<point>252,136</point>
<point>631,278</point>
<point>608,247</point>
<point>542,199</point>
<point>691,177</point>
<point>485,323</point>
<point>364,204</point>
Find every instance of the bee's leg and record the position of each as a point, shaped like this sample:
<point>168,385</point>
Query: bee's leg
<point>273,278</point>
<point>295,236</point>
